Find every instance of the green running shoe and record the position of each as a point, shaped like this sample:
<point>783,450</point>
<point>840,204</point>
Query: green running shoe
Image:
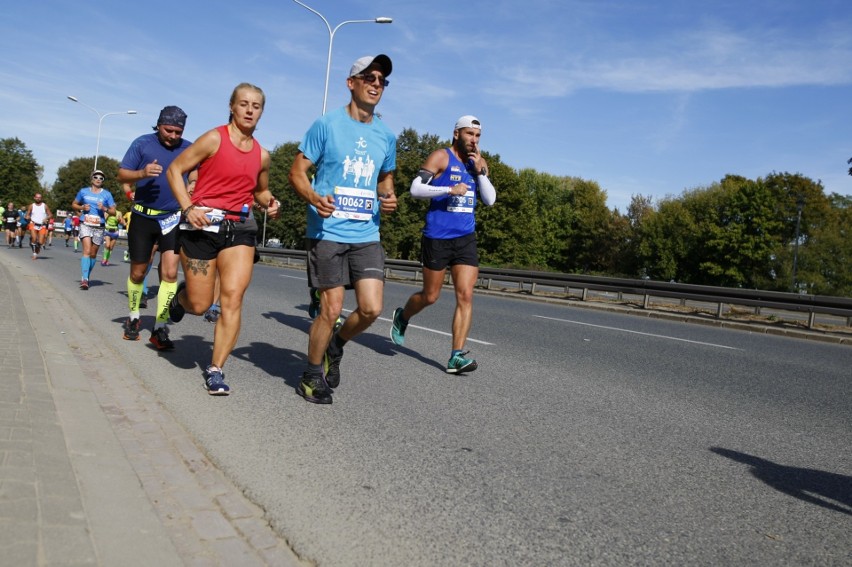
<point>459,364</point>
<point>314,389</point>
<point>397,330</point>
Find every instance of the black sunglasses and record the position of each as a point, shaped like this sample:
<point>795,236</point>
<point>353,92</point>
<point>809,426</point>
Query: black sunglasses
<point>370,78</point>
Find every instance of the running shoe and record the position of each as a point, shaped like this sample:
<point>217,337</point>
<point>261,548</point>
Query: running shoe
<point>126,255</point>
<point>314,389</point>
<point>331,365</point>
<point>397,330</point>
<point>314,307</point>
<point>459,364</point>
<point>337,325</point>
<point>212,314</point>
<point>84,285</point>
<point>131,329</point>
<point>143,303</point>
<point>214,381</point>
<point>160,339</point>
<point>176,310</point>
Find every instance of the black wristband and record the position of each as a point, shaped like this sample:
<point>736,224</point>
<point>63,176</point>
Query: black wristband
<point>186,210</point>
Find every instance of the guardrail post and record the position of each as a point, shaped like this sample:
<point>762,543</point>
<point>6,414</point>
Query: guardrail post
<point>585,293</point>
<point>646,301</point>
<point>811,318</point>
<point>720,310</point>
<point>532,289</point>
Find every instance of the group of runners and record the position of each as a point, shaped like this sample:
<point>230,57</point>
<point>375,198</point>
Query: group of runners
<point>193,203</point>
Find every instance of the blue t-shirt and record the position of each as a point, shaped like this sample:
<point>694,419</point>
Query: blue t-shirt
<point>349,156</point>
<point>68,224</point>
<point>153,192</point>
<point>95,215</point>
<point>451,216</point>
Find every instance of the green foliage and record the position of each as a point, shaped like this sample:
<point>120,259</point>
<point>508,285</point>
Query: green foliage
<point>19,173</point>
<point>290,226</point>
<point>735,232</point>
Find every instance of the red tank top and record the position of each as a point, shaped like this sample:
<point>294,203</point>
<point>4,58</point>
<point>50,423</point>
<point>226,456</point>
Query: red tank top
<point>227,179</point>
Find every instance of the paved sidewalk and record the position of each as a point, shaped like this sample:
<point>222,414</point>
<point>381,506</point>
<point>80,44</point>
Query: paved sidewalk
<point>93,470</point>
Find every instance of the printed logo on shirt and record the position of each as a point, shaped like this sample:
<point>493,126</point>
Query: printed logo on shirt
<point>359,167</point>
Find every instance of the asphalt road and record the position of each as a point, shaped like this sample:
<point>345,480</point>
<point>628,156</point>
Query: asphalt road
<point>585,437</point>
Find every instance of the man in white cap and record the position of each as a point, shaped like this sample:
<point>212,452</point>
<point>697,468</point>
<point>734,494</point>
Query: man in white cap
<point>454,179</point>
<point>355,155</point>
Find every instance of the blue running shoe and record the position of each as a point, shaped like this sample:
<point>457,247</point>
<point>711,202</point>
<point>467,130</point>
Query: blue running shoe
<point>458,364</point>
<point>212,314</point>
<point>214,381</point>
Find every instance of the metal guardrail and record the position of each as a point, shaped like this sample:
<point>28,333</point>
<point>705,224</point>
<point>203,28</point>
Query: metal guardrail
<point>532,282</point>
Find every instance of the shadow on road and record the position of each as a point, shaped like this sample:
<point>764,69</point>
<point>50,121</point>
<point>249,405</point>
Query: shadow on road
<point>828,490</point>
<point>373,338</point>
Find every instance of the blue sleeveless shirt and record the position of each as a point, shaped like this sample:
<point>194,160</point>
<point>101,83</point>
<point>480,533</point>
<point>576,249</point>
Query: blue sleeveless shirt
<point>451,216</point>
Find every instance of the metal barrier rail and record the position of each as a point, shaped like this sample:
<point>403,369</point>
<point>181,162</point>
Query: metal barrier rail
<point>530,281</point>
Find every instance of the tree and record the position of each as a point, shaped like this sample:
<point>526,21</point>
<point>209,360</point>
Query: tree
<point>401,231</point>
<point>19,173</point>
<point>290,226</point>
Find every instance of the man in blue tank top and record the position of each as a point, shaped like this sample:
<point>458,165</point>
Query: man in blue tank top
<point>454,179</point>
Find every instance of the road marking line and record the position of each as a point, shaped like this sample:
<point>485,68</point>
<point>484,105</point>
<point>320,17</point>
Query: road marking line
<point>410,326</point>
<point>638,332</point>
<point>437,332</point>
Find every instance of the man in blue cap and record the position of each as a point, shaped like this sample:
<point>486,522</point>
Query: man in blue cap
<point>155,216</point>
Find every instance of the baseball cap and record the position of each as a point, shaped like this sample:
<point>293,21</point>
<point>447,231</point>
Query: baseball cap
<point>468,121</point>
<point>96,172</point>
<point>172,116</point>
<point>383,61</point>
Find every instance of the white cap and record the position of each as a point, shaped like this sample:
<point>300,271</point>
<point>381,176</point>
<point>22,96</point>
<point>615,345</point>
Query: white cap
<point>383,61</point>
<point>468,121</point>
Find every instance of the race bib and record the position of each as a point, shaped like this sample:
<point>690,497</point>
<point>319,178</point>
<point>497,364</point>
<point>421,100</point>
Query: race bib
<point>354,204</point>
<point>169,223</point>
<point>215,216</point>
<point>92,220</point>
<point>461,203</point>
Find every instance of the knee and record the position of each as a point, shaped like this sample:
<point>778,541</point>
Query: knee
<point>370,312</point>
<point>464,297</point>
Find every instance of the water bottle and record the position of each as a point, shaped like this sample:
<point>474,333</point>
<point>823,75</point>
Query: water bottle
<point>244,213</point>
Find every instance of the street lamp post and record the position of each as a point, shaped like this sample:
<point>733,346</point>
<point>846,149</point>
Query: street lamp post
<point>100,123</point>
<point>331,32</point>
<point>800,204</point>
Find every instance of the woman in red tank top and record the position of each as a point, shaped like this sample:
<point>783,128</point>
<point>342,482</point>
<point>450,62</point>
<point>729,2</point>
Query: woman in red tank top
<point>218,230</point>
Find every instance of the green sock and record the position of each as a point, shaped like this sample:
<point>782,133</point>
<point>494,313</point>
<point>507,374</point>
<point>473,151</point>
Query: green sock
<point>134,295</point>
<point>164,297</point>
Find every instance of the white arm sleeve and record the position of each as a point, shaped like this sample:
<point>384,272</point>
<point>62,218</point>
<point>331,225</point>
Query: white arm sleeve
<point>420,188</point>
<point>487,192</point>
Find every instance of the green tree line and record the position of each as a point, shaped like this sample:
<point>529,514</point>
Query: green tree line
<point>781,232</point>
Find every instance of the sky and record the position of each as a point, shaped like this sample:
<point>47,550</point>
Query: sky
<point>643,97</point>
